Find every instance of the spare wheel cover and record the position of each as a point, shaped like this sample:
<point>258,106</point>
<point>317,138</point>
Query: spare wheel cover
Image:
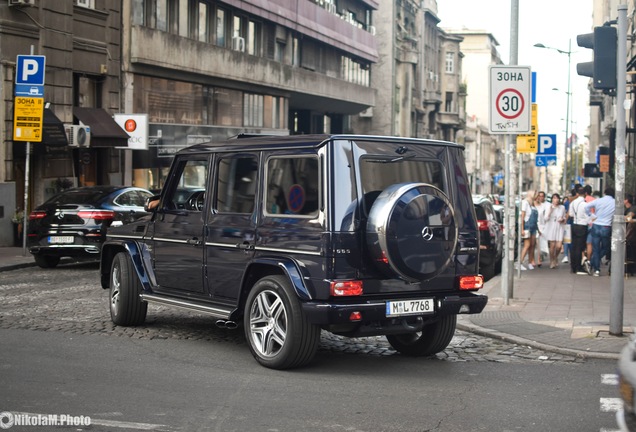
<point>411,231</point>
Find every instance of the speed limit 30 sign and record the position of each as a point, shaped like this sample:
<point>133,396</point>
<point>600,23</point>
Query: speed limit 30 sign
<point>510,104</point>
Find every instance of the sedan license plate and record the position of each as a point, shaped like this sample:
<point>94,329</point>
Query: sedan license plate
<point>61,239</point>
<point>409,307</point>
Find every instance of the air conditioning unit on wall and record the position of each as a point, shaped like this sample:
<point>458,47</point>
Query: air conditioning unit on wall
<point>78,135</point>
<point>238,43</point>
<point>21,2</point>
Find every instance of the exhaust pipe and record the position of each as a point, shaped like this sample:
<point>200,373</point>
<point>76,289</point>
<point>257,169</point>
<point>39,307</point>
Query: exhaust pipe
<point>230,325</point>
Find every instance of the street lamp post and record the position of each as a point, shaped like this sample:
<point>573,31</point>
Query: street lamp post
<point>567,110</point>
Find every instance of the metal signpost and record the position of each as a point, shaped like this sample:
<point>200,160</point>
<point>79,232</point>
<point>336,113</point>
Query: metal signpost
<point>510,113</point>
<point>28,114</point>
<point>617,264</point>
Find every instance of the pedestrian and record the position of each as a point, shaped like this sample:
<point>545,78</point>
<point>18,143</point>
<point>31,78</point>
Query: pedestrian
<point>555,218</point>
<point>542,242</point>
<point>567,236</point>
<point>530,220</point>
<point>579,231</point>
<point>629,206</point>
<point>589,197</point>
<point>602,217</point>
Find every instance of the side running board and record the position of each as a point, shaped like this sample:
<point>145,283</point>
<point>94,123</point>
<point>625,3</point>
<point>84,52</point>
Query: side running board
<point>184,304</point>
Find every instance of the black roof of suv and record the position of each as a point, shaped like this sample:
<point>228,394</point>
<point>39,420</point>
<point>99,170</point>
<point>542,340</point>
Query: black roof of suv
<point>357,235</point>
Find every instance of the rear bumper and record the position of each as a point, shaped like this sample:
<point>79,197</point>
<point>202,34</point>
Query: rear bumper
<point>67,250</point>
<point>330,313</point>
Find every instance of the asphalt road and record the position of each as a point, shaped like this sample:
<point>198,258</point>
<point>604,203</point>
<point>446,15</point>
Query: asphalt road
<point>60,354</point>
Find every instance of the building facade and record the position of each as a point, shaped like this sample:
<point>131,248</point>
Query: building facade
<point>81,43</point>
<point>417,77</point>
<point>196,69</point>
<point>205,70</point>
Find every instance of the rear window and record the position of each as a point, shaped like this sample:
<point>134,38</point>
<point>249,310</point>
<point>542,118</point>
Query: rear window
<point>80,196</point>
<point>481,213</point>
<point>379,173</point>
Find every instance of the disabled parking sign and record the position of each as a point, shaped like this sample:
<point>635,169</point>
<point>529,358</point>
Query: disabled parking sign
<point>546,152</point>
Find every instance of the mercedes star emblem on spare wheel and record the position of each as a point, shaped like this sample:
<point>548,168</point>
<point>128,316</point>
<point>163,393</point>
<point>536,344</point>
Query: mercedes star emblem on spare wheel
<point>427,234</point>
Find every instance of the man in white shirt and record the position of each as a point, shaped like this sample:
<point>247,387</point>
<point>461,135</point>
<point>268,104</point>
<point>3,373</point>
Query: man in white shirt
<point>579,231</point>
<point>601,230</point>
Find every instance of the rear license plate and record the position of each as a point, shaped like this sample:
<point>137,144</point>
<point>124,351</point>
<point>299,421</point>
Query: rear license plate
<point>409,307</point>
<point>61,239</point>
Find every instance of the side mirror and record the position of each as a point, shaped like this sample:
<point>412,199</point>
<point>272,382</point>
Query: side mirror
<point>152,203</point>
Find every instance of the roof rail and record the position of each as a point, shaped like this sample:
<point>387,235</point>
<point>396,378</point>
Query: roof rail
<point>250,135</point>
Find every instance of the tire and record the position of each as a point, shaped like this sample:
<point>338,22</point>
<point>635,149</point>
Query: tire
<point>277,331</point>
<point>411,231</point>
<point>46,261</point>
<point>432,339</point>
<point>126,307</point>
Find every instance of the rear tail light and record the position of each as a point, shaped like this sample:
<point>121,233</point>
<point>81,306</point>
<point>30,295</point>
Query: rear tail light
<point>346,288</point>
<point>96,214</point>
<point>472,282</point>
<point>482,225</point>
<point>37,215</point>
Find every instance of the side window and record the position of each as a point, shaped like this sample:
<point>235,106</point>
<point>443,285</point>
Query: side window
<point>125,199</point>
<point>292,186</point>
<point>187,192</point>
<point>236,184</point>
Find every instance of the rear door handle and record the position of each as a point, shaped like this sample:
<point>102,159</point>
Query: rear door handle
<point>245,246</point>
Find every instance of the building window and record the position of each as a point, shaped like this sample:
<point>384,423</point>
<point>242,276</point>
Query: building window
<point>252,110</point>
<point>138,12</point>
<point>159,17</point>
<point>295,52</point>
<point>450,62</point>
<point>168,101</point>
<point>279,51</point>
<point>183,18</point>
<point>221,24</point>
<point>275,112</point>
<point>448,105</point>
<point>202,22</point>
<point>86,3</point>
<point>355,72</point>
<point>228,107</point>
<point>252,40</point>
<point>87,92</point>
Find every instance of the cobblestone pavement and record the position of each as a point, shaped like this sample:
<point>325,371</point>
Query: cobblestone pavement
<point>69,299</point>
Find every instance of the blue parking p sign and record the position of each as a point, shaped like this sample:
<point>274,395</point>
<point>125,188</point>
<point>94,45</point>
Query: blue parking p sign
<point>546,152</point>
<point>30,69</point>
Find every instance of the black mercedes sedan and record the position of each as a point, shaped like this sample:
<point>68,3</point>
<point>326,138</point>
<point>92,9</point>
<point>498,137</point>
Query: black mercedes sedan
<point>73,223</point>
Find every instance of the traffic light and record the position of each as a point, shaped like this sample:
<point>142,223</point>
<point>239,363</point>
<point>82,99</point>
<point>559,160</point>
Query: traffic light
<point>603,69</point>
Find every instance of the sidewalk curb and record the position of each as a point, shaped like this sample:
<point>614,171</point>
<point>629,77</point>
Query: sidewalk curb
<point>481,331</point>
<point>15,266</point>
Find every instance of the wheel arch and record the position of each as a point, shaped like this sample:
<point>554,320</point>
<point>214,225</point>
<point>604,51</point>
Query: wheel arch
<point>265,266</point>
<point>136,253</point>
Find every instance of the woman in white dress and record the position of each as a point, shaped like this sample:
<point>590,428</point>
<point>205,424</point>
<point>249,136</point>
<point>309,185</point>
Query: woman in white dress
<point>555,218</point>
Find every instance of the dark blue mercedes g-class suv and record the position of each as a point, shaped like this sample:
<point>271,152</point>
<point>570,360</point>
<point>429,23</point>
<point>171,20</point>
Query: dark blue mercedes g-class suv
<point>285,236</point>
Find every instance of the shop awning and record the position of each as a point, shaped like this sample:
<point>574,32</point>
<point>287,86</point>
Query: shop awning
<point>105,132</point>
<point>53,133</point>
